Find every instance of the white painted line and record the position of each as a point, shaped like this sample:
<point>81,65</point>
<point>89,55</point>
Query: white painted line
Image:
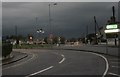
<point>107,64</point>
<point>62,55</point>
<point>62,60</point>
<point>114,74</point>
<point>115,66</point>
<point>39,71</point>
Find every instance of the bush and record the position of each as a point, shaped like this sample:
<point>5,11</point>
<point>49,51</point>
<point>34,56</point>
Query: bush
<point>6,49</point>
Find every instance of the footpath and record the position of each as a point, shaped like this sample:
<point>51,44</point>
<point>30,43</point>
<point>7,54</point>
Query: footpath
<point>102,49</point>
<point>14,57</point>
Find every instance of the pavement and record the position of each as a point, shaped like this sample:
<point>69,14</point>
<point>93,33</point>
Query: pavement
<point>14,57</point>
<point>102,49</point>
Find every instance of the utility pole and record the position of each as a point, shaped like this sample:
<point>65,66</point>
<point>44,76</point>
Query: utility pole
<point>119,28</point>
<point>16,35</point>
<point>50,18</point>
<point>87,30</point>
<point>95,30</point>
<point>114,21</point>
<point>50,35</point>
<point>113,9</point>
<point>86,40</point>
<point>37,36</point>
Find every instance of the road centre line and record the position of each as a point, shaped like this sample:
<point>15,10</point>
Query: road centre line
<point>40,71</point>
<point>62,55</point>
<point>114,74</point>
<point>63,58</point>
<point>62,61</point>
<point>48,67</point>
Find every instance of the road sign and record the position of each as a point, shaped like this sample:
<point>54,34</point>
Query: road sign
<point>113,26</point>
<point>112,31</point>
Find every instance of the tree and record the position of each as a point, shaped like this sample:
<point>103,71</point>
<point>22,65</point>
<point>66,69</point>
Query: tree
<point>62,39</point>
<point>55,40</point>
<point>46,40</point>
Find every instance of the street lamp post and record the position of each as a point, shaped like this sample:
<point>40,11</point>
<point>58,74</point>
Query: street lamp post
<point>41,31</point>
<point>49,18</point>
<point>50,21</point>
<point>16,35</point>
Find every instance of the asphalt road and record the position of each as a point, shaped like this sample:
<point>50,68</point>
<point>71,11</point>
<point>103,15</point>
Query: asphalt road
<point>58,62</point>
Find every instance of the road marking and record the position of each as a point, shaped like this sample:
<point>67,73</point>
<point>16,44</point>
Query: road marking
<point>62,59</point>
<point>33,55</point>
<point>115,66</point>
<point>114,74</point>
<point>40,71</point>
<point>62,55</point>
<point>107,64</point>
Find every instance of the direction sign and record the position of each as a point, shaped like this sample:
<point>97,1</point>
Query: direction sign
<point>113,26</point>
<point>112,31</point>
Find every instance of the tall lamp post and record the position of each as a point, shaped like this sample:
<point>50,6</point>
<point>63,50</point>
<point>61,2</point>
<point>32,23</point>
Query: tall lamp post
<point>50,20</point>
<point>41,31</point>
<point>16,36</point>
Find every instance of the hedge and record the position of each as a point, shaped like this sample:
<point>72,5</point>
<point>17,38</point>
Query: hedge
<point>6,49</point>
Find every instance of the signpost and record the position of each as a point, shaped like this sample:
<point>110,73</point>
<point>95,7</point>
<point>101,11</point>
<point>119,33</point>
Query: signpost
<point>113,28</point>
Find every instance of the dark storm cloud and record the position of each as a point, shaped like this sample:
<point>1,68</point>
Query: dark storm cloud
<point>68,19</point>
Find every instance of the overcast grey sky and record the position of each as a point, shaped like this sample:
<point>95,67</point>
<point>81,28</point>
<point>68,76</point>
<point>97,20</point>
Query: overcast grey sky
<point>69,19</point>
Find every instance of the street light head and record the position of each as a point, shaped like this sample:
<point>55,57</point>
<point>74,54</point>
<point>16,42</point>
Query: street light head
<point>37,31</point>
<point>40,30</point>
<point>43,31</point>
